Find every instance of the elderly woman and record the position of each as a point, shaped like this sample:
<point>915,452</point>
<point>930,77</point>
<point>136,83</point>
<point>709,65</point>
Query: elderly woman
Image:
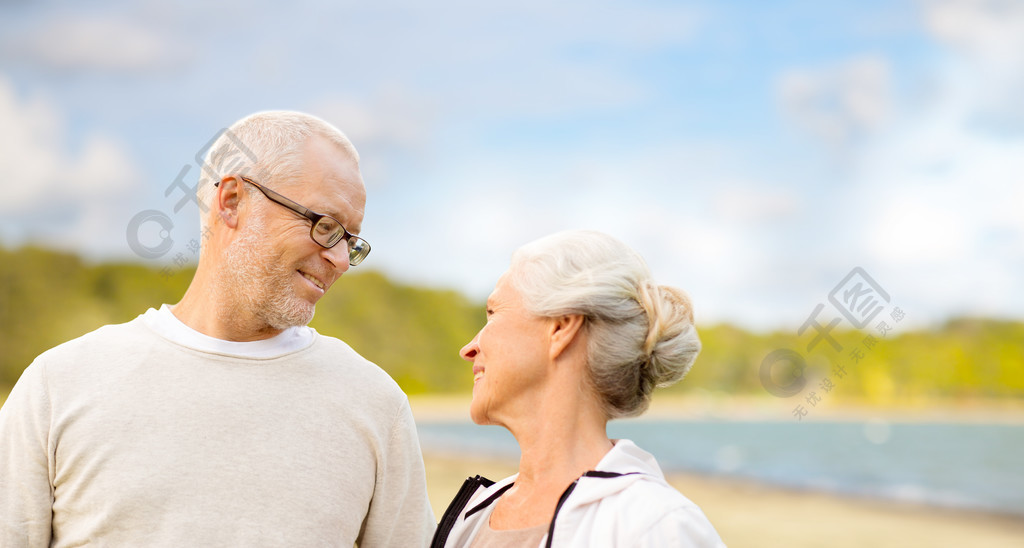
<point>577,334</point>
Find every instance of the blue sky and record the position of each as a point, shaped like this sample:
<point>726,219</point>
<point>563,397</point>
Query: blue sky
<point>754,152</point>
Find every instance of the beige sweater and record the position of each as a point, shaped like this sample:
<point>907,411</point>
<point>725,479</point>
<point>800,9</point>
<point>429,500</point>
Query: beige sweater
<point>124,438</point>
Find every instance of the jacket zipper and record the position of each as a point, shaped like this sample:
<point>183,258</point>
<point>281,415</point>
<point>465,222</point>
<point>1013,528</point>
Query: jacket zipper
<point>451,515</point>
<point>561,501</point>
<point>568,491</point>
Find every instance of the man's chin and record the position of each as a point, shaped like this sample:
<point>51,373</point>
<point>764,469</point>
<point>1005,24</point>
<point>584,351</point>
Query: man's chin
<point>292,318</point>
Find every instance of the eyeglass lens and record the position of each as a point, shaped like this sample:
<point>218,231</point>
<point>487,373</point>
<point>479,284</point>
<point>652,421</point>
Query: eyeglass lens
<point>327,232</point>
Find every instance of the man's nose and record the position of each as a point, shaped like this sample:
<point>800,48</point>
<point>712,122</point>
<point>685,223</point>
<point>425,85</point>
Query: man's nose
<point>337,256</point>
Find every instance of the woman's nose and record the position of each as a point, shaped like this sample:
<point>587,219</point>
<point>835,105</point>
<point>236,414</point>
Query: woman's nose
<point>470,351</point>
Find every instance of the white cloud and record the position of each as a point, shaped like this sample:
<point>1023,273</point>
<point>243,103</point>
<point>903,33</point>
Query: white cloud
<point>751,202</point>
<point>697,229</point>
<point>490,60</point>
<point>629,25</point>
<point>990,29</point>
<point>387,116</point>
<point>841,103</point>
<point>91,42</point>
<point>757,228</point>
<point>102,167</point>
<point>989,37</point>
<point>634,26</point>
<point>37,168</point>
<point>29,162</point>
<point>931,200</point>
<point>913,228</point>
<point>388,127</point>
<point>550,87</point>
<point>941,192</point>
<point>943,199</point>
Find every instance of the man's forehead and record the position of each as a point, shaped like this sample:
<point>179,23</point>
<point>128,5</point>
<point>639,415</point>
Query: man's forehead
<point>325,192</point>
<point>346,208</point>
<point>338,194</point>
<point>332,189</point>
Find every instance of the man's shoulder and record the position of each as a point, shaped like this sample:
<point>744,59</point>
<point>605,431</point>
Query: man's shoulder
<point>334,344</point>
<point>87,358</point>
<point>349,377</point>
<point>344,360</point>
<point>111,339</point>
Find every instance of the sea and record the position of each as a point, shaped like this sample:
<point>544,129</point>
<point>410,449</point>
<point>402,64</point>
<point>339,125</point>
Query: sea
<point>956,465</point>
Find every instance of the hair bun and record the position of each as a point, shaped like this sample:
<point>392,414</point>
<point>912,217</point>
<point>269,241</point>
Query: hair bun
<point>672,344</point>
<point>649,296</point>
<point>639,335</point>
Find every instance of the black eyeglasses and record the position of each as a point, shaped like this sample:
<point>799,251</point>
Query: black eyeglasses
<point>326,230</point>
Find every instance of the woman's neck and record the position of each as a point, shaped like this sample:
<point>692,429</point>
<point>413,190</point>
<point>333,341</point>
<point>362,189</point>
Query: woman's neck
<point>559,452</point>
<point>559,442</point>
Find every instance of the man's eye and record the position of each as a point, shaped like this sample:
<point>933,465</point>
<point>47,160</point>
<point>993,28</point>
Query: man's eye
<point>326,226</point>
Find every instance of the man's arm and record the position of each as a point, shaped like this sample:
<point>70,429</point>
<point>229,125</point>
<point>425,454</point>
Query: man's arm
<point>400,513</point>
<point>26,497</point>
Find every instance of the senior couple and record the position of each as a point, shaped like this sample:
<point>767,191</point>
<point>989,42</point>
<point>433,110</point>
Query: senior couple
<point>224,420</point>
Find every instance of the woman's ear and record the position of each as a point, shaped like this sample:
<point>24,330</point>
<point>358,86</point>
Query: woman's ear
<point>565,330</point>
<point>226,200</point>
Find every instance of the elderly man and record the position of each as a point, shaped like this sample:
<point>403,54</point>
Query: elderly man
<point>224,420</point>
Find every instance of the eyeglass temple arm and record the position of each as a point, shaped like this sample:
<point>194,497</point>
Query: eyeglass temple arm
<point>300,209</point>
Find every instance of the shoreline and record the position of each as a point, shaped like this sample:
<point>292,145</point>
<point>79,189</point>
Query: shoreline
<point>751,513</point>
<point>706,407</point>
<point>507,466</point>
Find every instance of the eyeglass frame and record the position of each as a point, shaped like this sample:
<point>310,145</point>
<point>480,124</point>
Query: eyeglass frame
<point>314,218</point>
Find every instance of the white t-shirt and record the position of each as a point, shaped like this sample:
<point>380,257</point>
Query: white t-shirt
<point>167,325</point>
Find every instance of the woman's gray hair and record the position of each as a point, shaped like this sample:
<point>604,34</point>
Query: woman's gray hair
<point>266,146</point>
<point>640,335</point>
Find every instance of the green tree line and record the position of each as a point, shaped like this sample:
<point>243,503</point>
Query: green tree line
<point>48,297</point>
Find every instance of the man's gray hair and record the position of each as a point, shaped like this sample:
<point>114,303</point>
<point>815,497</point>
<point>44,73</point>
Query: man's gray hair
<point>640,335</point>
<point>265,146</point>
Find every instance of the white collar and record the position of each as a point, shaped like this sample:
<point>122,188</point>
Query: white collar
<point>166,324</point>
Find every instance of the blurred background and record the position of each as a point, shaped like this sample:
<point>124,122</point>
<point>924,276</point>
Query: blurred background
<point>837,184</point>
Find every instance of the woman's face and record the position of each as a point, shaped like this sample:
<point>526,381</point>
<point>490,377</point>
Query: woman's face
<point>510,358</point>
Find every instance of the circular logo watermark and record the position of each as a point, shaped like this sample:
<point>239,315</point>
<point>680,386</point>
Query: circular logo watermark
<point>135,229</point>
<point>792,368</point>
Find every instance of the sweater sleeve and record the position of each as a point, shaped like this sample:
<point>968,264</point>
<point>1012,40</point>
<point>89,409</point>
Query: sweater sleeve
<point>400,513</point>
<point>26,497</point>
<point>682,527</point>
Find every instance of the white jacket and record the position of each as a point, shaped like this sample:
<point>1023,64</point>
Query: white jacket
<point>624,502</point>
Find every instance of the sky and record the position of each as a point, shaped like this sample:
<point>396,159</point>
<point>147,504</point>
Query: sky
<point>755,153</point>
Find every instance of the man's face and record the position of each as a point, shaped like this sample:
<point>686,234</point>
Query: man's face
<point>278,272</point>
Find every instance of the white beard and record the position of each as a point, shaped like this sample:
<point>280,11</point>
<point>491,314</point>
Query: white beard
<point>261,287</point>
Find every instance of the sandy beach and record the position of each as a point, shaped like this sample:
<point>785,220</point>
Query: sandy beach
<point>753,514</point>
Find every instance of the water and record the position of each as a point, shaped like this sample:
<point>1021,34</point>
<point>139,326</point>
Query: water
<point>974,466</point>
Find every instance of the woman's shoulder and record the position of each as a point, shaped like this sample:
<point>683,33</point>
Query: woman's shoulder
<point>649,512</point>
<point>659,496</point>
<point>640,500</point>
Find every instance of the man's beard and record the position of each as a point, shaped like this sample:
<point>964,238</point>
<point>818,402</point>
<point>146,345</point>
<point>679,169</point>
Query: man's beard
<point>262,287</point>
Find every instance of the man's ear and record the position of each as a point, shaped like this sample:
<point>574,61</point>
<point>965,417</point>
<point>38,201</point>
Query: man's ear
<point>226,200</point>
<point>564,331</point>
